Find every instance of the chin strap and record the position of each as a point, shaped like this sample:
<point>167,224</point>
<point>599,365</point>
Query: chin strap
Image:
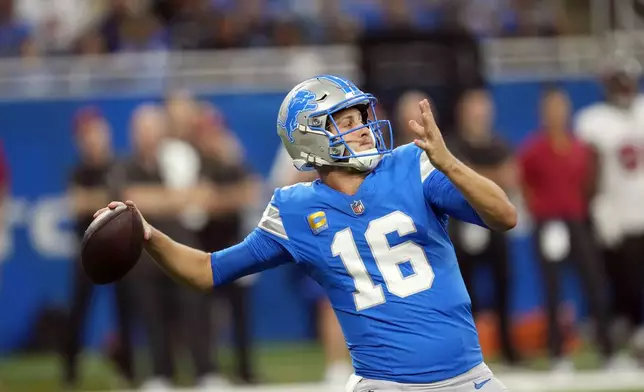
<point>365,163</point>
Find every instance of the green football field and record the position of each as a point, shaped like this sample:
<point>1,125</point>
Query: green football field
<point>295,364</point>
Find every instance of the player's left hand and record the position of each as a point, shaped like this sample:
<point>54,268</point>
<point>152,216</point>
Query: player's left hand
<point>147,229</point>
<point>430,139</point>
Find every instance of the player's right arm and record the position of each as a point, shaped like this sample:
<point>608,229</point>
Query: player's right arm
<point>259,251</point>
<point>453,187</point>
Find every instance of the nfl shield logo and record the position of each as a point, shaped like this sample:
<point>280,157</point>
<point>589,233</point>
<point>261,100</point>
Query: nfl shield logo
<point>357,207</point>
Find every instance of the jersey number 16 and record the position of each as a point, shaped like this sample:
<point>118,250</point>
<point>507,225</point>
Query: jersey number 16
<point>388,260</point>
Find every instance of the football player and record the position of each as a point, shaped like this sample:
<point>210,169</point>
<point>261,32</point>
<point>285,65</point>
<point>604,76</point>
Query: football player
<point>613,129</point>
<point>372,232</point>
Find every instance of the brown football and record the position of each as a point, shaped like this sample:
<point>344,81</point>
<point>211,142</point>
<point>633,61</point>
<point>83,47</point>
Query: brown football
<point>112,244</point>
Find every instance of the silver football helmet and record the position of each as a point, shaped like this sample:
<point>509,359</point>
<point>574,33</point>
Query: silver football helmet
<point>310,134</point>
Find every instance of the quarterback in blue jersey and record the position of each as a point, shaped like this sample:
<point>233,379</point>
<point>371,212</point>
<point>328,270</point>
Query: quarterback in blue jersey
<point>372,232</point>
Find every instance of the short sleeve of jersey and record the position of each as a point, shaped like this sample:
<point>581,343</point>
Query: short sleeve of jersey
<point>273,224</point>
<point>438,190</point>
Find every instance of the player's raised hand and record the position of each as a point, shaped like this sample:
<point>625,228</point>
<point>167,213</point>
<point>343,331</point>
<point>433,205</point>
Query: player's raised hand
<point>430,139</point>
<point>147,229</point>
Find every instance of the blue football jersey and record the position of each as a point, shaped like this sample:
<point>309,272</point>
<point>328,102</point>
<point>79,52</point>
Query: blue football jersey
<point>388,266</point>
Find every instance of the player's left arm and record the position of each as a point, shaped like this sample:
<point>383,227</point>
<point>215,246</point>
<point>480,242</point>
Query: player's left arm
<point>454,187</point>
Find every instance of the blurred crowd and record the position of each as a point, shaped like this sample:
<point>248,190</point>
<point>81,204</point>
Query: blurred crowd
<point>40,27</point>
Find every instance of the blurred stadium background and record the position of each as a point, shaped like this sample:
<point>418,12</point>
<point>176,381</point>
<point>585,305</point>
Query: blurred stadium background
<point>68,65</point>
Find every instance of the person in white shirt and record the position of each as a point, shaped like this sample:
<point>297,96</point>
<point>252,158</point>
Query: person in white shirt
<point>58,24</point>
<point>614,128</point>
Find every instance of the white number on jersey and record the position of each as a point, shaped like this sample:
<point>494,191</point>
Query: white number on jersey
<point>388,260</point>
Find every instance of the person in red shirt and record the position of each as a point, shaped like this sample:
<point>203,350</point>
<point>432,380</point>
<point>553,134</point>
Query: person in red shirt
<point>558,181</point>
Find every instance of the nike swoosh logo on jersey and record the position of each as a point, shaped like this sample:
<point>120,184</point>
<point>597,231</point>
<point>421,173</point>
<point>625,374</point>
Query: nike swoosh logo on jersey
<point>481,384</point>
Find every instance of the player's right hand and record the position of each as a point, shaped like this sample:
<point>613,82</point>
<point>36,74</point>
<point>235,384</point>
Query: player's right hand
<point>430,139</point>
<point>147,228</point>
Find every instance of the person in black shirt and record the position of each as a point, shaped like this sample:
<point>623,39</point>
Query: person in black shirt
<point>223,165</point>
<point>475,143</point>
<point>163,305</point>
<point>406,110</point>
<point>87,192</point>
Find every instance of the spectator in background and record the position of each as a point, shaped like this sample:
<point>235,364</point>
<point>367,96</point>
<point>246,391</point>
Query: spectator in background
<point>88,189</point>
<point>180,168</point>
<point>223,164</point>
<point>225,31</point>
<point>286,31</point>
<point>164,305</point>
<point>558,181</point>
<point>187,22</point>
<point>117,11</point>
<point>484,18</point>
<point>475,143</point>
<point>535,18</point>
<point>336,26</point>
<point>613,129</point>
<point>283,173</point>
<point>407,110</point>
<point>15,35</point>
<point>179,160</point>
<point>198,24</point>
<point>131,27</point>
<point>397,15</point>
<point>250,17</point>
<point>141,32</point>
<point>91,43</point>
<point>368,16</point>
<point>58,24</point>
<point>89,47</point>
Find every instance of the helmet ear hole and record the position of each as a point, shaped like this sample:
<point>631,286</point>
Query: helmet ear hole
<point>327,124</point>
<point>364,113</point>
